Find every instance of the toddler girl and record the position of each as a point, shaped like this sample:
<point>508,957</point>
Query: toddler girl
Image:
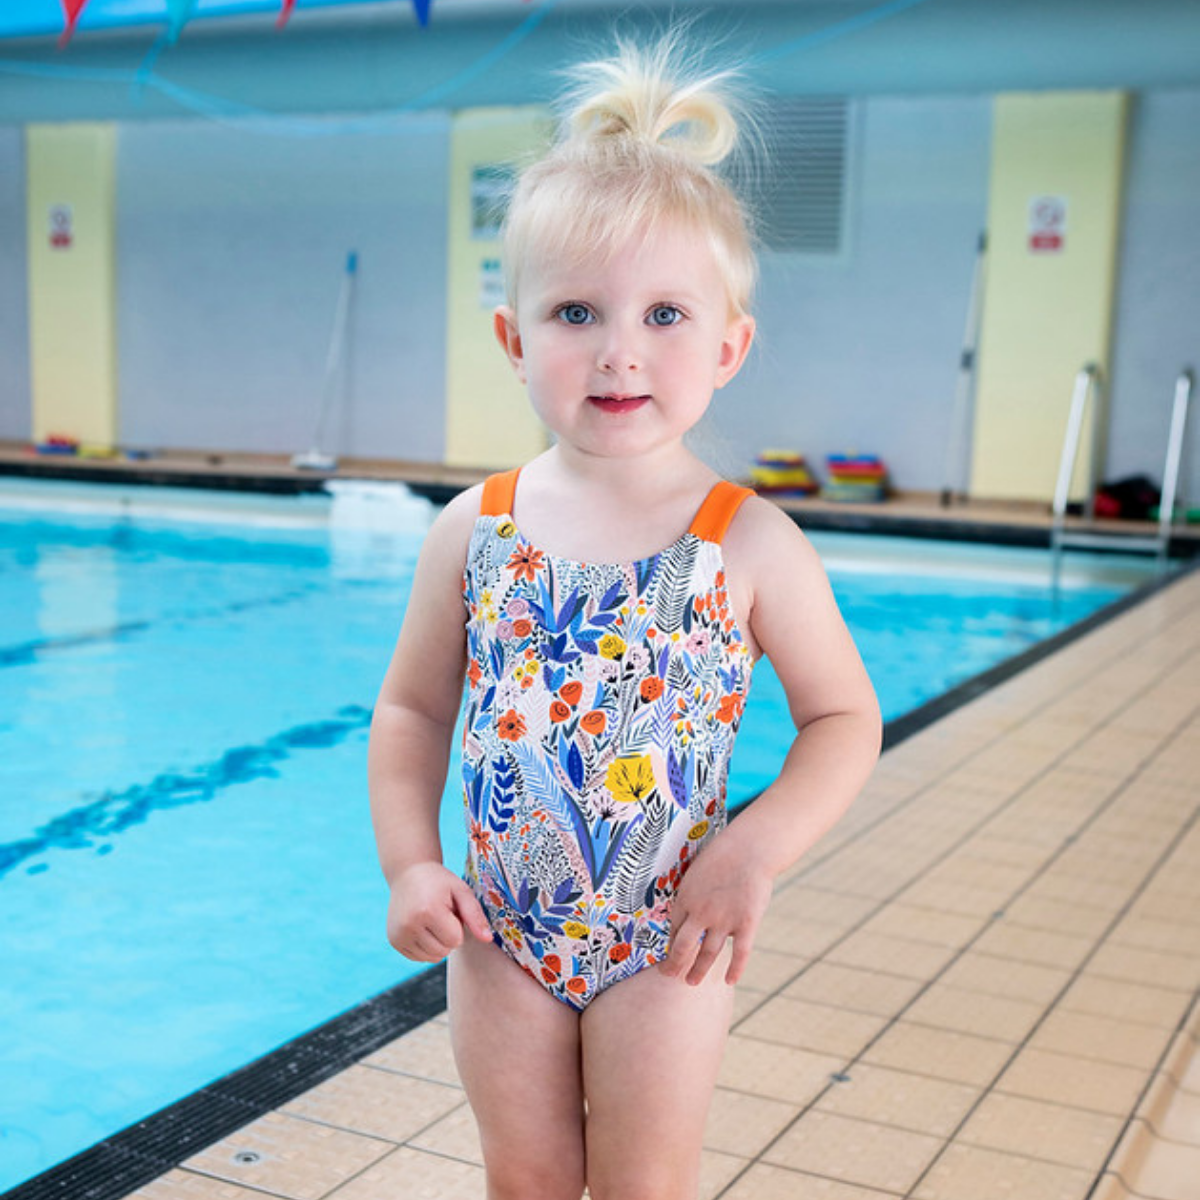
<point>606,605</point>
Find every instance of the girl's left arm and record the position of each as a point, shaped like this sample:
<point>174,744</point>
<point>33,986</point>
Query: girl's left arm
<point>794,620</point>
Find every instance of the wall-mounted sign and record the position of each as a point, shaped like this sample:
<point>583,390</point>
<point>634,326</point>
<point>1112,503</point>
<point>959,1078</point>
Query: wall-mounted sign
<point>490,186</point>
<point>62,227</point>
<point>1047,224</point>
<point>491,284</point>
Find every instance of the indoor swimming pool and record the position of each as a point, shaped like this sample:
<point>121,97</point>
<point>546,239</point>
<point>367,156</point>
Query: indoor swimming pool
<point>186,860</point>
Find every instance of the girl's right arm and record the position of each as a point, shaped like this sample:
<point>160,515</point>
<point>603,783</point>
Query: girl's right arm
<point>411,734</point>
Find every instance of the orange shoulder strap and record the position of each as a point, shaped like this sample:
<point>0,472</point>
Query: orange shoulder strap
<point>718,510</point>
<point>499,492</point>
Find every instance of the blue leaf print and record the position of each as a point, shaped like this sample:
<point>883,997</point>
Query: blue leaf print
<point>609,599</point>
<point>555,678</point>
<point>574,765</point>
<point>680,784</point>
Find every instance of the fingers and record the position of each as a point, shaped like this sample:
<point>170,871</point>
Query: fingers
<point>470,912</point>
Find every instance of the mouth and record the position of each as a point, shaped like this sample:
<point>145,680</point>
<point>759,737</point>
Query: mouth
<point>618,402</point>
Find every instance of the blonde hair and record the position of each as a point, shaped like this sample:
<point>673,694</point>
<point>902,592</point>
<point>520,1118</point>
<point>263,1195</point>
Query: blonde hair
<point>641,135</point>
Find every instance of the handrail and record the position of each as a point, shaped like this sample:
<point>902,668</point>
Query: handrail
<point>1179,415</point>
<point>1087,381</point>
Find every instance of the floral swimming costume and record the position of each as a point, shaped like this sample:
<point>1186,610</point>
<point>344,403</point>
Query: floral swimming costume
<point>601,713</point>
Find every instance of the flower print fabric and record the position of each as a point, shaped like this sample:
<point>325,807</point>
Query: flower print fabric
<point>602,707</point>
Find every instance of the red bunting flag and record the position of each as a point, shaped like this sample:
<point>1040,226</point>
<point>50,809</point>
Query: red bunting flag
<point>71,10</point>
<point>284,12</point>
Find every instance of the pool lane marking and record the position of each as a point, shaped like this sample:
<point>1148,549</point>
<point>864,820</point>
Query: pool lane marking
<point>24,654</point>
<point>116,811</point>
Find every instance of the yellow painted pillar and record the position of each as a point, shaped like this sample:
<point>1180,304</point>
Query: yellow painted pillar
<point>489,421</point>
<point>71,181</point>
<point>1054,213</point>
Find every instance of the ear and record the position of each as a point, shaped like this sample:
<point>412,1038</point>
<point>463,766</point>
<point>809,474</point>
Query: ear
<point>736,345</point>
<point>504,323</point>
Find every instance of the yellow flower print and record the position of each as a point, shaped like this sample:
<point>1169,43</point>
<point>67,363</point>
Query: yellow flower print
<point>575,929</point>
<point>611,646</point>
<point>630,779</point>
<point>506,529</point>
<point>697,831</point>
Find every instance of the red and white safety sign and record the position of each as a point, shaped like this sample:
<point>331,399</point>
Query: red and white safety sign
<point>1047,224</point>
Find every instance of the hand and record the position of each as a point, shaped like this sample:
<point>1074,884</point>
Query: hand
<point>723,895</point>
<point>430,912</point>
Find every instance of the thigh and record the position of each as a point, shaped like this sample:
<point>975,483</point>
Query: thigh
<point>517,1050</point>
<point>652,1047</point>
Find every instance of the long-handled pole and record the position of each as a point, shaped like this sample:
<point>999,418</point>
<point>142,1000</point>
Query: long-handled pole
<point>954,482</point>
<point>315,459</point>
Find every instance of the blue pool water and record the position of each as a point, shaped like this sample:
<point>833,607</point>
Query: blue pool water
<point>187,873</point>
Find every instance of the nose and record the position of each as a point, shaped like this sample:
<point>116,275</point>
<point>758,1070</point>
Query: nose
<point>618,351</point>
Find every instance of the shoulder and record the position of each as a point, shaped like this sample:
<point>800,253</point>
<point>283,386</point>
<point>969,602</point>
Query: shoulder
<point>763,537</point>
<point>450,533</point>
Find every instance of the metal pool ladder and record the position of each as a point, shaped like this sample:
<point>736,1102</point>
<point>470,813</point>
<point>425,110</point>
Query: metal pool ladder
<point>1087,383</point>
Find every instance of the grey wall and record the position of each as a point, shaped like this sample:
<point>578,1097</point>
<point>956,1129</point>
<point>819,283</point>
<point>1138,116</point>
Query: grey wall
<point>1158,297</point>
<point>232,248</point>
<point>861,353</point>
<point>15,416</point>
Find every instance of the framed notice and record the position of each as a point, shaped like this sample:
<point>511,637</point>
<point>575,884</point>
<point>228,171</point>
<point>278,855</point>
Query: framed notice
<point>490,185</point>
<point>1047,224</point>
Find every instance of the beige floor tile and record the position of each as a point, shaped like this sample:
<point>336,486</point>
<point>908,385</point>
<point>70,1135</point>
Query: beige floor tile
<point>456,1135</point>
<point>996,1017</point>
<point>1040,946</point>
<point>853,988</point>
<point>1008,851</point>
<point>289,1157</point>
<point>965,870</point>
<point>184,1185</point>
<point>940,1054</point>
<point>424,1052</point>
<point>1105,1038</point>
<point>925,925</point>
<point>901,1099</point>
<point>717,1171</point>
<point>379,1103</point>
<point>858,1152</point>
<point>829,908</point>
<point>764,1182</point>
<point>972,1173</point>
<point>776,1072</point>
<point>891,955</point>
<point>1069,889</point>
<point>1075,1082</point>
<point>1151,967</point>
<point>1034,1129</point>
<point>1125,1001</point>
<point>415,1175</point>
<point>769,970</point>
<point>1003,977</point>
<point>1081,920</point>
<point>1181,1120</point>
<point>745,1001</point>
<point>817,1027</point>
<point>1147,933</point>
<point>785,934</point>
<point>742,1125</point>
<point>955,898</point>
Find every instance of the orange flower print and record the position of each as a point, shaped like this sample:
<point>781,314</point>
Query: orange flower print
<point>522,628</point>
<point>559,711</point>
<point>730,708</point>
<point>511,726</point>
<point>651,688</point>
<point>553,962</point>
<point>571,692</point>
<point>620,952</point>
<point>480,838</point>
<point>593,722</point>
<point>474,674</point>
<point>577,984</point>
<point>525,562</point>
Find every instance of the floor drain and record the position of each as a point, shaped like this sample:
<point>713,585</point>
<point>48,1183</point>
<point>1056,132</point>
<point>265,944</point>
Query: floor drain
<point>246,1158</point>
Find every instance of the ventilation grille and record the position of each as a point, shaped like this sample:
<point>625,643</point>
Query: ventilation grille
<point>801,202</point>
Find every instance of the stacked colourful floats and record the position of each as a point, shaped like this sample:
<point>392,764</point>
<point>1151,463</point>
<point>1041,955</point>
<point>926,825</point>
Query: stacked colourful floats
<point>782,473</point>
<point>855,478</point>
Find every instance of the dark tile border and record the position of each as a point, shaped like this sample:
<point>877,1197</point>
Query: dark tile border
<point>133,1157</point>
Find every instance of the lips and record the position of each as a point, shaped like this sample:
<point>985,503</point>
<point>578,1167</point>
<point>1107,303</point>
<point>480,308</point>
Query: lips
<point>618,403</point>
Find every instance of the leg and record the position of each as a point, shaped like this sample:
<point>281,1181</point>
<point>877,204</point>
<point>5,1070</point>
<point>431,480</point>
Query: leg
<point>652,1048</point>
<point>517,1050</point>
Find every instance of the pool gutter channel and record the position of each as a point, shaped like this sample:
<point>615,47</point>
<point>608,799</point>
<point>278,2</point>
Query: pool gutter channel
<point>119,1165</point>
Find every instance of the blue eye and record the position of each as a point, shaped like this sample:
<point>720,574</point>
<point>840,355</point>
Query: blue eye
<point>574,314</point>
<point>665,314</point>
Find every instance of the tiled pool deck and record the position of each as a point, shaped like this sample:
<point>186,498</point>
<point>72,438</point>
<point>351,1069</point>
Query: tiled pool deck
<point>982,986</point>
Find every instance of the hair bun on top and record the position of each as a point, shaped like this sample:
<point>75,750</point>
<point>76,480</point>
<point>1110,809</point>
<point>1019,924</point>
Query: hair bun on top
<point>653,97</point>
